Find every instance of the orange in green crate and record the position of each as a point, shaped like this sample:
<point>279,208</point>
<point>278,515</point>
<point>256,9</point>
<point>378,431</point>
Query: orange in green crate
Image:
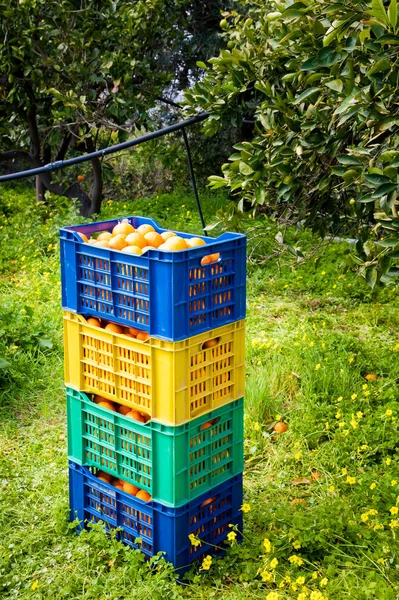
<point>173,464</point>
<point>171,382</point>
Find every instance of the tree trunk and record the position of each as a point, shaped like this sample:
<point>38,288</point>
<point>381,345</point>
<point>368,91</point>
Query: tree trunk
<point>40,190</point>
<point>97,187</point>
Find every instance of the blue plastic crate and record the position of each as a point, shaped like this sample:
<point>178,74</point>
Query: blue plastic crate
<point>168,294</point>
<point>160,528</point>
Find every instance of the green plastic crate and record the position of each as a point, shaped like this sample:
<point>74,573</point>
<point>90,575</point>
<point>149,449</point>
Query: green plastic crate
<point>174,464</point>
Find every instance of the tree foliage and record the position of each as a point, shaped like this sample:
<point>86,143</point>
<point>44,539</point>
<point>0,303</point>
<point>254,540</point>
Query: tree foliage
<point>78,75</point>
<point>320,81</point>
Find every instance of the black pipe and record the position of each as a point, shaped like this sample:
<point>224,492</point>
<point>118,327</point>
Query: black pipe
<point>193,182</point>
<point>60,164</point>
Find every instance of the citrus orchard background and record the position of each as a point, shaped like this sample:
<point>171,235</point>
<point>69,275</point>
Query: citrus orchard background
<point>321,498</point>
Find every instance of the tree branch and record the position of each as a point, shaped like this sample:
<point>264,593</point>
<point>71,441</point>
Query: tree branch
<point>11,154</point>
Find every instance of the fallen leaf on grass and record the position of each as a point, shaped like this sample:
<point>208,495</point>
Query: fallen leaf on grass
<point>301,481</point>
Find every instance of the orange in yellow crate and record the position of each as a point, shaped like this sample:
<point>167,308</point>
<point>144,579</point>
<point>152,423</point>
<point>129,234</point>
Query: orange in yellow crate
<point>171,382</point>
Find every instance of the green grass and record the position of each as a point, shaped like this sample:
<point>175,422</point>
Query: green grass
<point>313,334</point>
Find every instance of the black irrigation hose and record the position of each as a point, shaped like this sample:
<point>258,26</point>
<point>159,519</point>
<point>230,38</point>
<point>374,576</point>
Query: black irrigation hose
<point>60,164</point>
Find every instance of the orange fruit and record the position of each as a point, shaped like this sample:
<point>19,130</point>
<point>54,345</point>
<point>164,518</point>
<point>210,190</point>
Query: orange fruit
<point>165,235</point>
<point>104,236</point>
<point>81,177</point>
<point>106,404</point>
<point>98,399</point>
<point>206,425</point>
<point>146,417</point>
<point>118,242</point>
<point>124,410</point>
<point>136,239</point>
<point>153,239</point>
<point>104,476</point>
<point>162,247</point>
<point>114,328</point>
<point>208,501</point>
<point>93,321</point>
<point>210,343</point>
<point>132,250</point>
<point>143,495</point>
<point>92,241</point>
<point>118,484</point>
<point>123,227</point>
<point>129,488</point>
<point>195,242</point>
<point>143,336</point>
<point>133,331</point>
<point>84,237</point>
<point>134,414</point>
<point>210,258</point>
<point>103,479</point>
<point>175,243</point>
<point>103,244</point>
<point>143,229</point>
<point>206,260</point>
<point>280,427</point>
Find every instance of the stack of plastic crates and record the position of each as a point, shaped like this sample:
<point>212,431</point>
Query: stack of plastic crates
<point>184,381</point>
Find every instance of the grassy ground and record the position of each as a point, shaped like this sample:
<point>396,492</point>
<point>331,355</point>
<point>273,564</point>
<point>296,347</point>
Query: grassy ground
<point>323,497</point>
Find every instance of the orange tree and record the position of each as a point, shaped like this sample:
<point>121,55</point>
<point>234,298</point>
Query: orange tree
<point>78,75</point>
<point>319,80</point>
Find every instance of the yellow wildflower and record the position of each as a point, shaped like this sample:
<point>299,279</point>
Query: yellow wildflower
<point>394,510</point>
<point>266,576</point>
<point>245,508</point>
<point>267,544</point>
<point>273,563</point>
<point>373,486</point>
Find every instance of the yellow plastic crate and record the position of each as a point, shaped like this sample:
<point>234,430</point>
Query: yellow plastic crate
<point>172,382</point>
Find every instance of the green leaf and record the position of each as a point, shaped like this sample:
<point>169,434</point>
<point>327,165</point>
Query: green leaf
<point>393,13</point>
<point>389,242</point>
<point>379,67</point>
<point>335,85</point>
<point>388,38</point>
<point>345,159</point>
<point>306,94</point>
<point>201,64</point>
<point>45,343</point>
<point>377,179</point>
<point>371,277</point>
<point>366,199</point>
<point>4,363</point>
<point>245,169</point>
<point>384,189</point>
<point>216,182</point>
<point>378,11</point>
<point>311,63</point>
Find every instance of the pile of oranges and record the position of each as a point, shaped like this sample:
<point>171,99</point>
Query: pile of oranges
<point>115,328</point>
<point>125,486</point>
<point>126,238</point>
<point>122,410</point>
